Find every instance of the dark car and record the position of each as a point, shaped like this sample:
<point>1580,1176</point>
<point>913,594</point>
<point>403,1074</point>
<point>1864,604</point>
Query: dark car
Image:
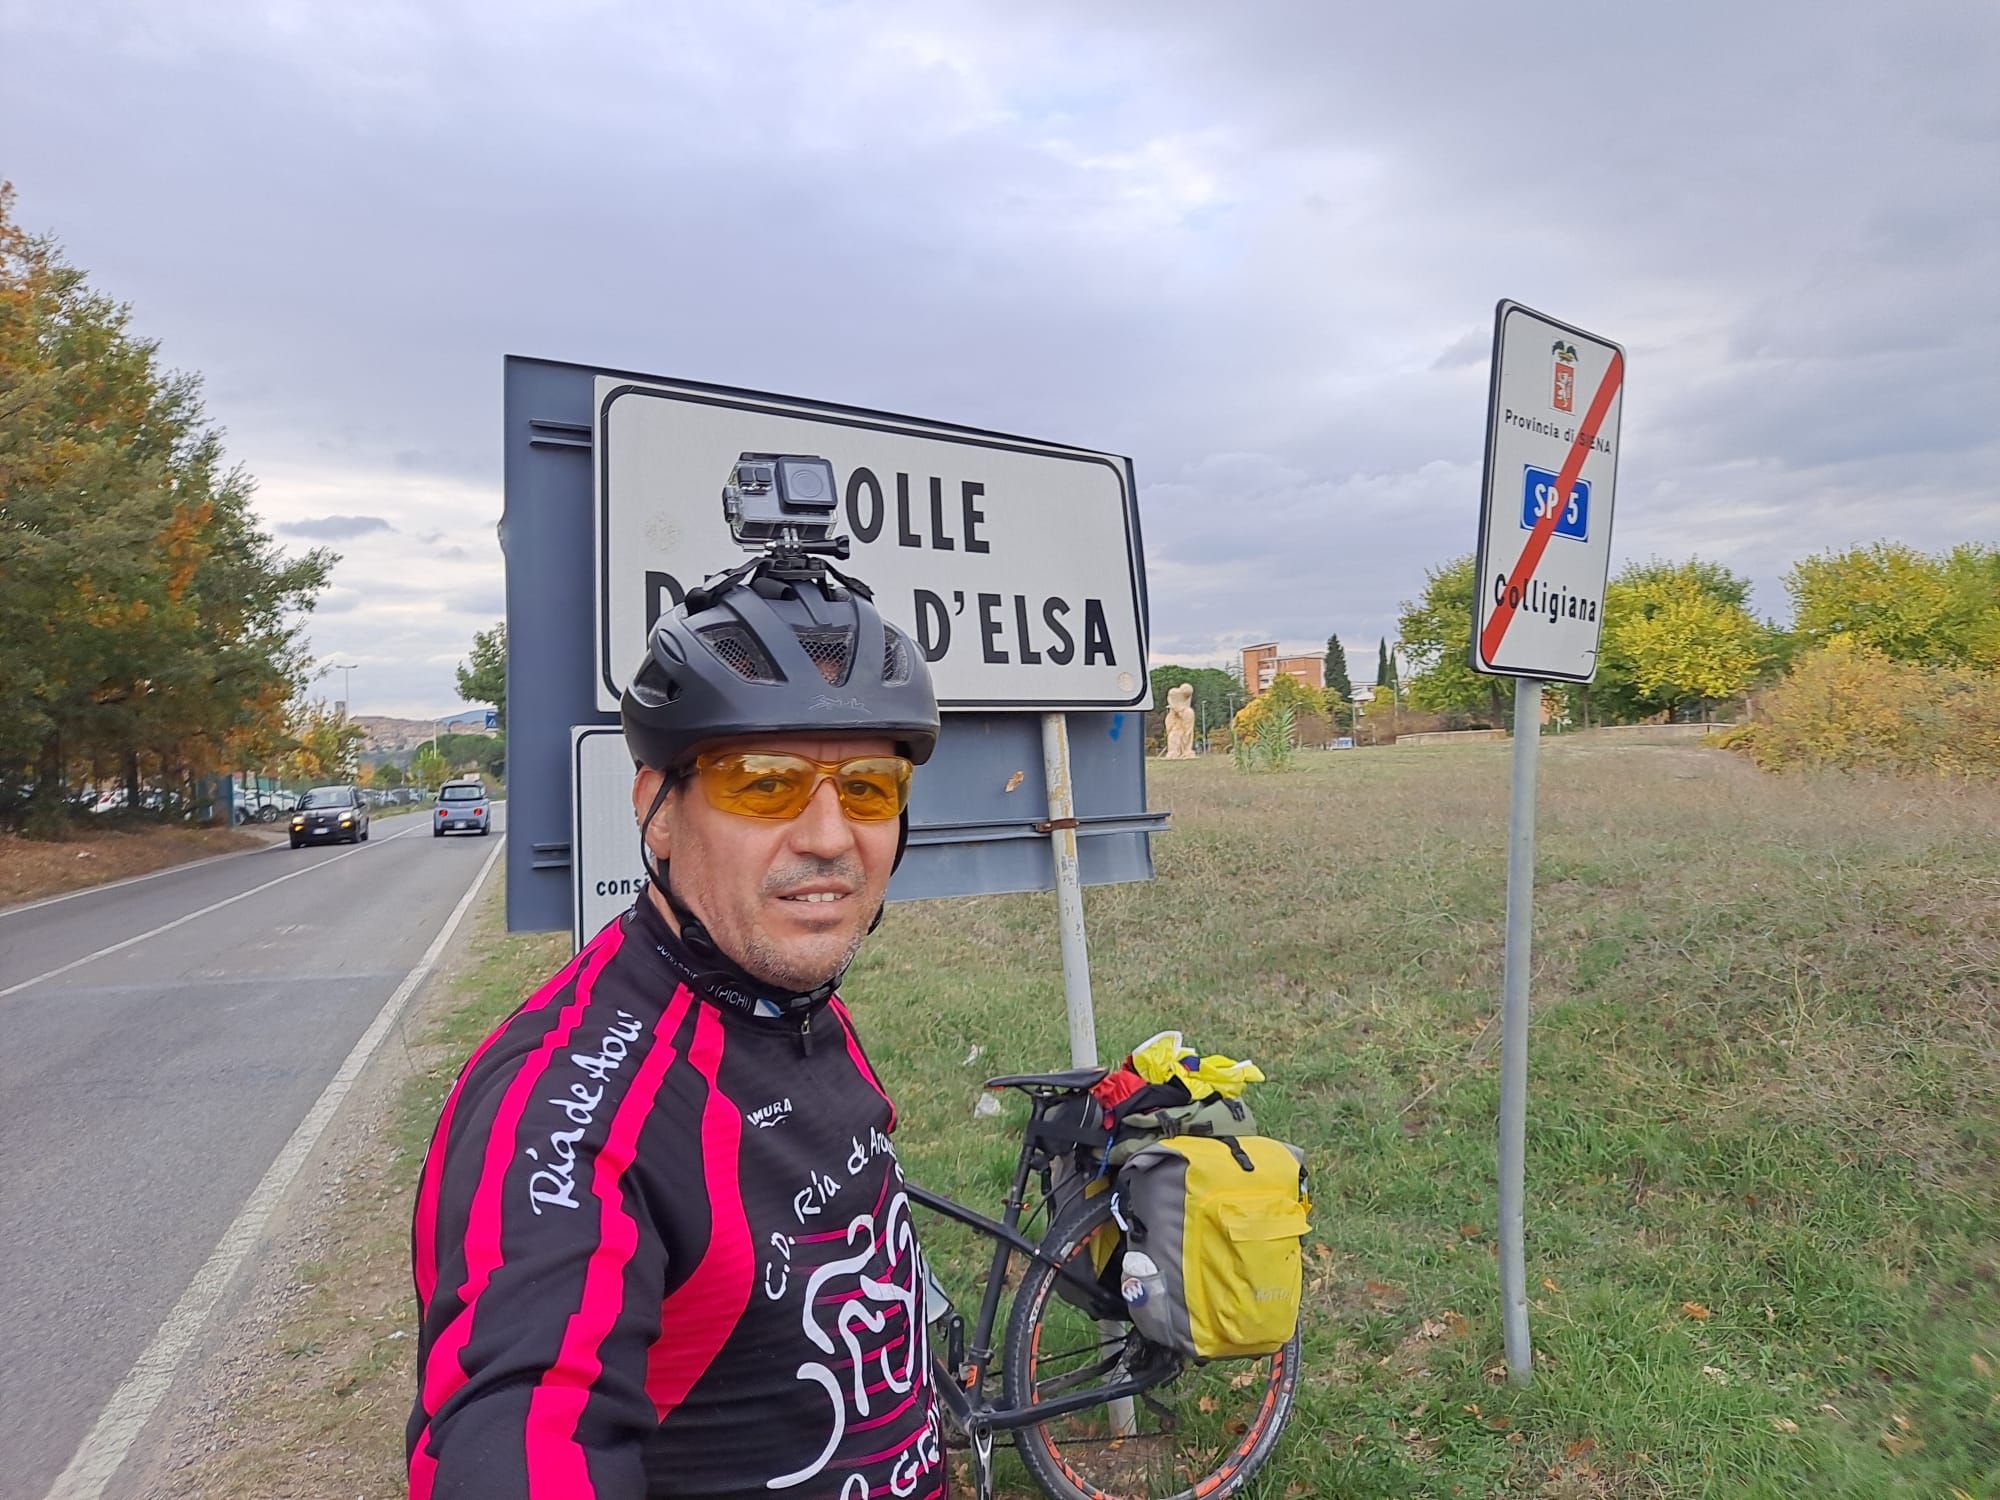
<point>330,815</point>
<point>462,804</point>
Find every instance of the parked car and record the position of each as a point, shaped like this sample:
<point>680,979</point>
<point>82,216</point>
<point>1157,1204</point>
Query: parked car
<point>462,804</point>
<point>331,815</point>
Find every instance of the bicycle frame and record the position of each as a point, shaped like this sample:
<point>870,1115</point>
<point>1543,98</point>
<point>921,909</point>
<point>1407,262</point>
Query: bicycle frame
<point>964,1392</point>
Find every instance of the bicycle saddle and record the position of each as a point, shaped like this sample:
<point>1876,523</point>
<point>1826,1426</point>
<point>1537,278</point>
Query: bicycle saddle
<point>1070,1080</point>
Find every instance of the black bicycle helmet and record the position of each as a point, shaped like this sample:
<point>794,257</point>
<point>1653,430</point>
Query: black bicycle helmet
<point>755,652</point>
<point>772,647</point>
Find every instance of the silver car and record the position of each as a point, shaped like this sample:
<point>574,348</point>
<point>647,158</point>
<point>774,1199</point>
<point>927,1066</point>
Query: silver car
<point>462,804</point>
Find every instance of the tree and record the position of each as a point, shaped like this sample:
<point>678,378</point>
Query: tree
<point>1337,682</point>
<point>428,768</point>
<point>1941,611</point>
<point>1674,634</point>
<point>485,681</point>
<point>325,745</point>
<point>1436,631</point>
<point>1304,705</point>
<point>389,775</point>
<point>142,611</point>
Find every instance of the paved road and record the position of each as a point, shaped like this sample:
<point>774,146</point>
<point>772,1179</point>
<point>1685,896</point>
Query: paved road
<point>144,1093</point>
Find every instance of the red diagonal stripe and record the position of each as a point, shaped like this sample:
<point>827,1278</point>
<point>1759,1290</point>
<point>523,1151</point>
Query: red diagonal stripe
<point>1538,539</point>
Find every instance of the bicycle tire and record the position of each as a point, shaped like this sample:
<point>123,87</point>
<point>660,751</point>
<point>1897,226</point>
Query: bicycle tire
<point>1077,1458</point>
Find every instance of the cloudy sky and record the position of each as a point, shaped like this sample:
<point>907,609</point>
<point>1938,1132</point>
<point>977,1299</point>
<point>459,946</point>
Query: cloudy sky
<point>1256,247</point>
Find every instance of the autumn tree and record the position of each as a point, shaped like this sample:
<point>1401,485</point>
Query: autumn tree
<point>142,610</point>
<point>1674,634</point>
<point>485,679</point>
<point>325,746</point>
<point>1938,611</point>
<point>1307,705</point>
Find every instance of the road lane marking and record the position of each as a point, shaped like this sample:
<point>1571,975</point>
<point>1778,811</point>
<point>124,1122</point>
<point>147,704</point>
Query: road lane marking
<point>77,963</point>
<point>104,1448</point>
<point>112,885</point>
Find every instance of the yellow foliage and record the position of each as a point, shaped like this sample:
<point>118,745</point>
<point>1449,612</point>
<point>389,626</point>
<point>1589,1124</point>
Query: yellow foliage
<point>1847,705</point>
<point>1283,691</point>
<point>1674,640</point>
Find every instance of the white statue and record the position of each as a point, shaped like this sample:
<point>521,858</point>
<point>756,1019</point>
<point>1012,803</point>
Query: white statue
<point>1180,722</point>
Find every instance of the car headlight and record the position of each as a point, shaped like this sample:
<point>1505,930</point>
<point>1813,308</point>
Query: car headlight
<point>298,822</point>
<point>346,820</point>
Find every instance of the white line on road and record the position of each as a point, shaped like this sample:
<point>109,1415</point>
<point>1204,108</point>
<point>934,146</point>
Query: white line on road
<point>132,1405</point>
<point>77,963</point>
<point>112,885</point>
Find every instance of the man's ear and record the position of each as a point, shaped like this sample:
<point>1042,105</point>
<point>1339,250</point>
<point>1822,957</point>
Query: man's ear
<point>646,784</point>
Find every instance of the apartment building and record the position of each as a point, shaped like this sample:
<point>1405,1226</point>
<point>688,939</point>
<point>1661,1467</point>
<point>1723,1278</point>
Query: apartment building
<point>1262,665</point>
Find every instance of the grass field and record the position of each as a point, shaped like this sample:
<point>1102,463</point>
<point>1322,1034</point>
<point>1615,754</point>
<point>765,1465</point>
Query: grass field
<point>1764,1119</point>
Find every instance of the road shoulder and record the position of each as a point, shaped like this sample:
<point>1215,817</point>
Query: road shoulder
<point>33,870</point>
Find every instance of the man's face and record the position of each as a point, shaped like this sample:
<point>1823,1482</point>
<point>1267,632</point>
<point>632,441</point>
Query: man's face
<point>746,878</point>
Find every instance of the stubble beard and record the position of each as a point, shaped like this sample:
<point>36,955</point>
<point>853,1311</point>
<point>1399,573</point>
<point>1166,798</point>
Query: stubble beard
<point>772,962</point>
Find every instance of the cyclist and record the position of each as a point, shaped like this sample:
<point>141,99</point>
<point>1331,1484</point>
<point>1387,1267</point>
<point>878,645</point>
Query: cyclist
<point>661,1243</point>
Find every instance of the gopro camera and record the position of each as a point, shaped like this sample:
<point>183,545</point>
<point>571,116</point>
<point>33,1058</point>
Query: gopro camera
<point>784,498</point>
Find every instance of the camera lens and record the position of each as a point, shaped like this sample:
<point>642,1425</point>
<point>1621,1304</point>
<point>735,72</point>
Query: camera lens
<point>805,481</point>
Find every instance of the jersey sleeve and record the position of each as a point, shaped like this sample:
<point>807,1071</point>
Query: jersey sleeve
<point>548,1282</point>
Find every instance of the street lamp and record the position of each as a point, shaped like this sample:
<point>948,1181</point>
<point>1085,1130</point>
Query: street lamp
<point>344,668</point>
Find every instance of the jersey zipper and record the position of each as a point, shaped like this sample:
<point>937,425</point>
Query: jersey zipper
<point>806,1034</point>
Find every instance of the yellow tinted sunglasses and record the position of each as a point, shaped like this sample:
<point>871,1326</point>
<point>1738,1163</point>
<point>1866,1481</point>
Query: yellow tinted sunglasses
<point>754,784</point>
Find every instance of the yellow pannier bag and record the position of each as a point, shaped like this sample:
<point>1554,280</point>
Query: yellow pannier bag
<point>1212,1232</point>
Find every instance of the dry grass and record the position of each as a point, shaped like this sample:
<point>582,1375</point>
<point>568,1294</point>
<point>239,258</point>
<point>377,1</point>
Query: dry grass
<point>32,868</point>
<point>1764,1150</point>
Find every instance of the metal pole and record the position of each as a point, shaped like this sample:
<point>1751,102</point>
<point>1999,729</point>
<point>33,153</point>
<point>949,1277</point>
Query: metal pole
<point>1069,893</point>
<point>1123,1415</point>
<point>1514,1029</point>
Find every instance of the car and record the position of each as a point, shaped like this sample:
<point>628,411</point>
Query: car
<point>462,804</point>
<point>331,815</point>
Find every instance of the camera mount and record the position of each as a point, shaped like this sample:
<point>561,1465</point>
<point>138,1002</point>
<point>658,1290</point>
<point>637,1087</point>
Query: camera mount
<point>782,507</point>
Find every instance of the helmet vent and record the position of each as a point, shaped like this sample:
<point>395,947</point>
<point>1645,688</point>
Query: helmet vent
<point>738,650</point>
<point>895,658</point>
<point>829,650</point>
<point>653,686</point>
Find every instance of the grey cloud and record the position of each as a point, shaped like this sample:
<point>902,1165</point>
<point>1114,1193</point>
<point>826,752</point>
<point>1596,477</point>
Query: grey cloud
<point>1473,347</point>
<point>1254,249</point>
<point>333,528</point>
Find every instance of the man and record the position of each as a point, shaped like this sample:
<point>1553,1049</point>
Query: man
<point>661,1243</point>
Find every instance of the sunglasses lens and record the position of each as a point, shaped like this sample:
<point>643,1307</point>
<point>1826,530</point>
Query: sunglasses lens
<point>758,786</point>
<point>871,789</point>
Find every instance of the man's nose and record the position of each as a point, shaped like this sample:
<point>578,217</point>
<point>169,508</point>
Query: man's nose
<point>822,828</point>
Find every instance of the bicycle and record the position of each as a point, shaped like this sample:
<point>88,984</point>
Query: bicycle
<point>1097,1411</point>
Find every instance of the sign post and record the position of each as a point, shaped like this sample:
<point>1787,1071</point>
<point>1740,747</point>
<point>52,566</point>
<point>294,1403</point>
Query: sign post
<point>1069,893</point>
<point>1538,597</point>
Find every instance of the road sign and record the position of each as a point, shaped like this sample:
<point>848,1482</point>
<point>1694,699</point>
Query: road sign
<point>604,867</point>
<point>492,718</point>
<point>1013,564</point>
<point>1545,527</point>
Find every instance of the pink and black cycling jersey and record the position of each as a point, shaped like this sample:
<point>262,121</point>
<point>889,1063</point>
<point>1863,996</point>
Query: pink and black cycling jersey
<point>662,1248</point>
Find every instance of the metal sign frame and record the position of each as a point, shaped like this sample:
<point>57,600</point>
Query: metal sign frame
<point>1602,409</point>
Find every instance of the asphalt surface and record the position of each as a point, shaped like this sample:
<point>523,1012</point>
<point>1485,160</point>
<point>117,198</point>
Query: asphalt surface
<point>145,1092</point>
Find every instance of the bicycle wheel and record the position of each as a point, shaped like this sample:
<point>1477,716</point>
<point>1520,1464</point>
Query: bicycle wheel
<point>1203,1431</point>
